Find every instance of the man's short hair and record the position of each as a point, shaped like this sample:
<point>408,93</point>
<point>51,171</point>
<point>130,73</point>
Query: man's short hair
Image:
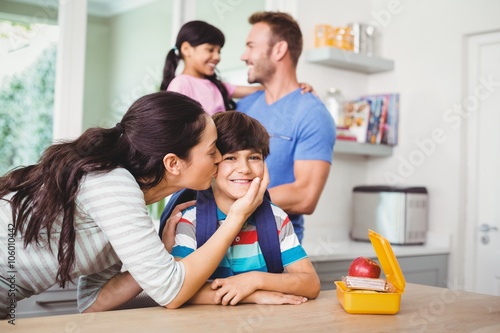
<point>283,28</point>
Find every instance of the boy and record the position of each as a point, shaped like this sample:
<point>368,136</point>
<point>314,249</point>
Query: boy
<point>242,276</point>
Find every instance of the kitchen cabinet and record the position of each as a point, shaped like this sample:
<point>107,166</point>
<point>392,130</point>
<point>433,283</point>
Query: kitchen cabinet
<point>55,301</point>
<point>431,270</point>
<point>342,59</point>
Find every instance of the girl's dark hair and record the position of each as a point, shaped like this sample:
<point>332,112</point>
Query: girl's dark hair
<point>237,131</point>
<point>195,33</point>
<point>44,193</point>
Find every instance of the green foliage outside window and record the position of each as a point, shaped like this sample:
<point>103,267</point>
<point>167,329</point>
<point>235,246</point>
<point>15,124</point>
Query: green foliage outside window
<point>26,113</point>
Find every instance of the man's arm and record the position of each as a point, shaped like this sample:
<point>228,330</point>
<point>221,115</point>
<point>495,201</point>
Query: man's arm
<point>302,196</point>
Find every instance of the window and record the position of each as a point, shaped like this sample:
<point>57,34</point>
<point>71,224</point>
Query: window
<point>27,77</point>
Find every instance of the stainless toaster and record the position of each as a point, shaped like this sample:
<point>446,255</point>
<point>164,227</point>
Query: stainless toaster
<point>397,213</point>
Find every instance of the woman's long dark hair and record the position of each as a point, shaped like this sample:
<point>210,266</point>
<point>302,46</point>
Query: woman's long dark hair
<point>195,33</point>
<point>45,193</point>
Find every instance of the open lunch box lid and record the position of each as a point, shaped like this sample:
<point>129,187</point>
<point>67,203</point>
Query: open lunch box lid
<point>388,260</point>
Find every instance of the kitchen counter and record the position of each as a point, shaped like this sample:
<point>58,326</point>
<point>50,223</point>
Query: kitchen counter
<point>423,309</point>
<point>327,249</point>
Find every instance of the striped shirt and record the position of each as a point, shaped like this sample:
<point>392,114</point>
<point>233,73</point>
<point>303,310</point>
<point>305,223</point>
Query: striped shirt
<point>244,254</point>
<point>113,233</point>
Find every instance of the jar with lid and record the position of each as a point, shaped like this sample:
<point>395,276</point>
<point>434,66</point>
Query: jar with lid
<point>334,102</point>
<point>323,35</point>
<point>363,36</point>
<point>342,38</point>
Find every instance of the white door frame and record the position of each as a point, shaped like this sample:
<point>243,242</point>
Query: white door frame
<point>70,70</point>
<point>470,233</point>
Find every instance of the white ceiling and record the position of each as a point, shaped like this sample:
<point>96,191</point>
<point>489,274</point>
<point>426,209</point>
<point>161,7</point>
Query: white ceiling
<point>104,8</point>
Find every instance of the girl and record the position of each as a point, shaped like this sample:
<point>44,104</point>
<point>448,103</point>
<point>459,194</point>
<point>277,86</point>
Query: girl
<point>199,44</point>
<point>81,211</point>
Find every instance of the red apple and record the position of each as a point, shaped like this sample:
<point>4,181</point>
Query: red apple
<point>364,267</point>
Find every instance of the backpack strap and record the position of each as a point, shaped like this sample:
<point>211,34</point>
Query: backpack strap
<point>206,225</point>
<point>206,211</point>
<point>206,216</point>
<point>176,199</point>
<point>268,236</point>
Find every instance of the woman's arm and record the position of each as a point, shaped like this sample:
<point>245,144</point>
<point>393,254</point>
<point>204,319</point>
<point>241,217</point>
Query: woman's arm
<point>200,264</point>
<point>115,292</point>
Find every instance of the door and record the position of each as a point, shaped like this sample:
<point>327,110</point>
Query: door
<point>482,123</point>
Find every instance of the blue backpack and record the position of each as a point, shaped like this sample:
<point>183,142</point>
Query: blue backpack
<point>206,217</point>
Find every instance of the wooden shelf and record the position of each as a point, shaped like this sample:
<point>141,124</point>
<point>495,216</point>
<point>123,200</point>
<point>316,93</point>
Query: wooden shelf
<point>335,57</point>
<point>356,148</point>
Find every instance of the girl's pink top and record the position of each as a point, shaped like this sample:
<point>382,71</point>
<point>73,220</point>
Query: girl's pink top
<point>201,90</point>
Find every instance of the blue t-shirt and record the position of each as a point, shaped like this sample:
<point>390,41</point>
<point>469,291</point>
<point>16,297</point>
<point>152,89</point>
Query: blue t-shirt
<point>301,128</point>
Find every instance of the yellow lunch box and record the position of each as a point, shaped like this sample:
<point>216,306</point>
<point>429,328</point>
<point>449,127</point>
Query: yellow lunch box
<point>362,302</point>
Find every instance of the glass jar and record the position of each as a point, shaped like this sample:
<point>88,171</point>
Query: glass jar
<point>334,102</point>
<point>342,38</point>
<point>323,35</point>
<point>363,36</point>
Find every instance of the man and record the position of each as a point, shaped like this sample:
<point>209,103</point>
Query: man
<point>301,128</point>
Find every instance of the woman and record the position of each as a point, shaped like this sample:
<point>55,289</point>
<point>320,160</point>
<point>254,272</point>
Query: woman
<point>81,211</point>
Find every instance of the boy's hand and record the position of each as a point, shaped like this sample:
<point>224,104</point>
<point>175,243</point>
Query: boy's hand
<point>233,289</point>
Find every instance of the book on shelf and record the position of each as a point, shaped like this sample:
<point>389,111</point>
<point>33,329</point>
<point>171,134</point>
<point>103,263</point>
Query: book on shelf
<point>344,134</point>
<point>355,118</point>
<point>373,118</point>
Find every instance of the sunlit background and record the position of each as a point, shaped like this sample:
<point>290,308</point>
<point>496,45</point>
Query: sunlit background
<point>27,77</point>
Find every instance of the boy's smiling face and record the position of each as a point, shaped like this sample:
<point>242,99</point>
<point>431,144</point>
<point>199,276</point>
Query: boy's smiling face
<point>235,174</point>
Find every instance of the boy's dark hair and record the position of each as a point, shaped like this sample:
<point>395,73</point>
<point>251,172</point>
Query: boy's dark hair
<point>195,33</point>
<point>283,28</point>
<point>237,131</point>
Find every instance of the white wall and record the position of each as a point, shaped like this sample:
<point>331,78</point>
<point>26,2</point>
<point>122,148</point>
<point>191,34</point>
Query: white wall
<point>425,39</point>
<point>333,213</point>
<point>231,17</point>
<point>140,40</point>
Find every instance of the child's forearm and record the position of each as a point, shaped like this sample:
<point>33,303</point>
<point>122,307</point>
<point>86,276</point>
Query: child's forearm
<point>242,91</point>
<point>204,296</point>
<point>208,296</point>
<point>303,284</point>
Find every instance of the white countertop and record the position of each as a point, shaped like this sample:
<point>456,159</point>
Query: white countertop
<point>325,249</point>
